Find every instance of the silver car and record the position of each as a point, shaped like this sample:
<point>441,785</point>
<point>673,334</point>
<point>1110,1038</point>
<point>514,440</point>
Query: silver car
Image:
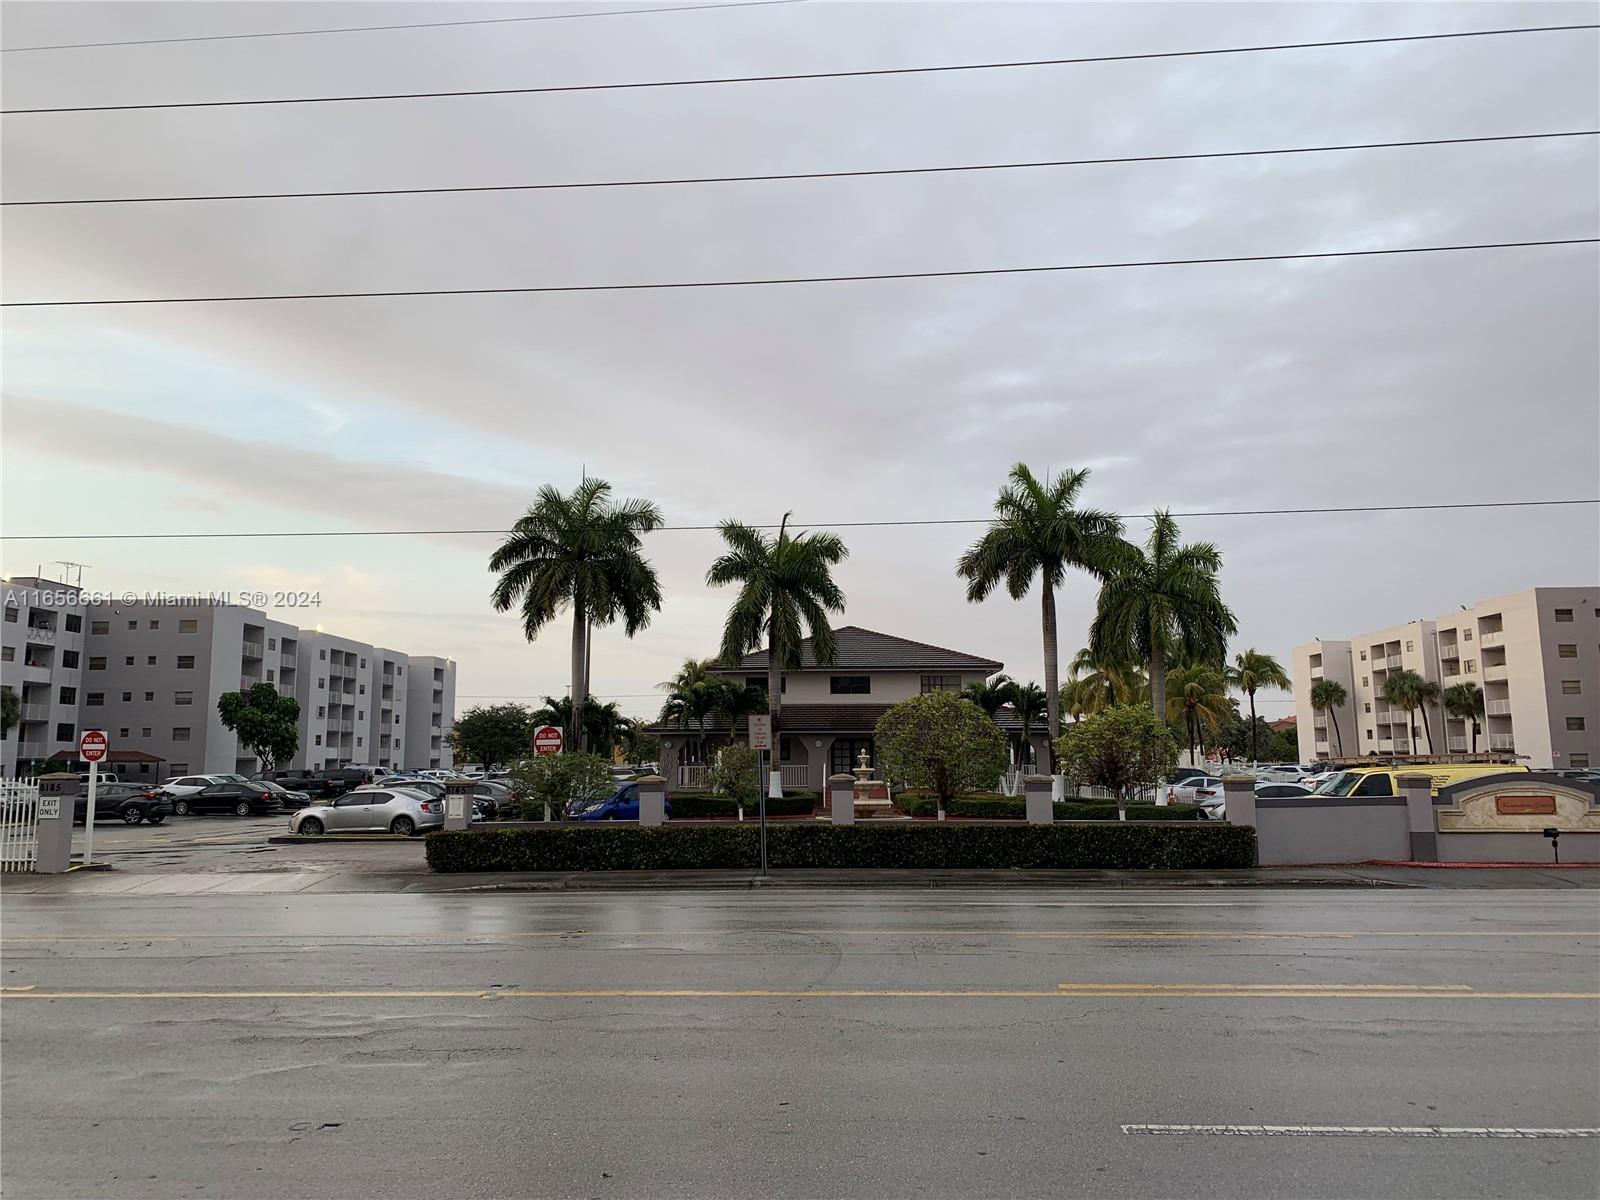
<point>372,809</point>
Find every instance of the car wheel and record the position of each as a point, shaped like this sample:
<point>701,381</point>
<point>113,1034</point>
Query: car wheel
<point>404,826</point>
<point>310,826</point>
<point>242,809</point>
<point>132,816</point>
<point>181,807</point>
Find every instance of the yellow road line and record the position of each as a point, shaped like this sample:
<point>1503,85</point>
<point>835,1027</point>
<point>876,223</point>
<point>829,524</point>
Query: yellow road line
<point>1129,992</point>
<point>1310,988</point>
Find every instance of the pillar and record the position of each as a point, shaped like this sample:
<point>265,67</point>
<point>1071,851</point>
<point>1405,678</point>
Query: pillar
<point>1037,791</point>
<point>58,800</point>
<point>1418,792</point>
<point>842,799</point>
<point>652,800</point>
<point>1239,798</point>
<point>457,803</point>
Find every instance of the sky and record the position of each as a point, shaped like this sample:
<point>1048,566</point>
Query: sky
<point>1418,379</point>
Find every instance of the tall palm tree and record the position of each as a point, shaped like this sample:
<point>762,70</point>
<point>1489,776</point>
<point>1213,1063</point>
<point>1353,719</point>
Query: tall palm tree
<point>989,694</point>
<point>603,724</point>
<point>1031,704</point>
<point>1465,701</point>
<point>1093,686</point>
<point>581,552</point>
<point>1162,604</point>
<point>784,581</point>
<point>1328,696</point>
<point>735,700</point>
<point>1410,691</point>
<point>1038,531</point>
<point>1198,695</point>
<point>1252,669</point>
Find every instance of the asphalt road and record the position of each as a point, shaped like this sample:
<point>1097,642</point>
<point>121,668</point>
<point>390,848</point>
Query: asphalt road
<point>795,1044</point>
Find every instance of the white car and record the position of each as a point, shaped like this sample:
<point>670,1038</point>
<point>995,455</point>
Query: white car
<point>371,809</point>
<point>190,785</point>
<point>1199,790</point>
<point>1283,773</point>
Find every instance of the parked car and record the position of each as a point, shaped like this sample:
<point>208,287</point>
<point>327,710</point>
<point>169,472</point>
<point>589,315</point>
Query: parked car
<point>189,785</point>
<point>286,797</point>
<point>1195,790</point>
<point>241,799</point>
<point>371,810</point>
<point>130,803</point>
<point>103,776</point>
<point>620,805</point>
<point>496,797</point>
<point>1283,773</point>
<point>1279,791</point>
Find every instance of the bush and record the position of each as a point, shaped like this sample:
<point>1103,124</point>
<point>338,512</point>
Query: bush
<point>1120,846</point>
<point>545,784</point>
<point>736,775</point>
<point>1124,749</point>
<point>704,804</point>
<point>1002,808</point>
<point>940,742</point>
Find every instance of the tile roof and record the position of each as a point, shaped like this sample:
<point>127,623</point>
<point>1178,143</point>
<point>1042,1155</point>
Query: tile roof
<point>866,649</point>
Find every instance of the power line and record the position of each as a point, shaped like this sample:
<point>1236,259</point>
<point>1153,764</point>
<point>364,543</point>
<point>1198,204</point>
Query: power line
<point>233,37</point>
<point>801,175</point>
<point>879,524</point>
<point>808,75</point>
<point>799,279</point>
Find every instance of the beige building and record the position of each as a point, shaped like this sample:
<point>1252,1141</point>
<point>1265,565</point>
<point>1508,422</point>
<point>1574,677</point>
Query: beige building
<point>1535,654</point>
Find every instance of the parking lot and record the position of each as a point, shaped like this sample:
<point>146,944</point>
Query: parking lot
<point>230,844</point>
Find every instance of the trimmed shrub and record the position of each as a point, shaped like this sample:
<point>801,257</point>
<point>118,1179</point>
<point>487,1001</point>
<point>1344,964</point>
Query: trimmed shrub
<point>1117,846</point>
<point>1014,808</point>
<point>704,804</point>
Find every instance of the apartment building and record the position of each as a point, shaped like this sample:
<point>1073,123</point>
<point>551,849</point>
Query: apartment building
<point>41,659</point>
<point>1535,655</point>
<point>430,703</point>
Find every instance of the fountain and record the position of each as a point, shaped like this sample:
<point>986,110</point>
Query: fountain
<point>871,795</point>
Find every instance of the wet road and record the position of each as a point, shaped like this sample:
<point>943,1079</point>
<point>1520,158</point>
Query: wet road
<point>850,1043</point>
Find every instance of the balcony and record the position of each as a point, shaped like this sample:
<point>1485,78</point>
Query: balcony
<point>1495,638</point>
<point>1497,708</point>
<point>1450,651</point>
<point>246,683</point>
<point>1502,741</point>
<point>252,649</point>
<point>1496,672</point>
<point>1316,672</point>
<point>1392,663</point>
<point>35,712</point>
<point>1322,747</point>
<point>32,750</point>
<point>287,662</point>
<point>1456,744</point>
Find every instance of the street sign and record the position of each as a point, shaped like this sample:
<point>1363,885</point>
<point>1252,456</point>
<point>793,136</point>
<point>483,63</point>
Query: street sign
<point>547,740</point>
<point>761,732</point>
<point>92,745</point>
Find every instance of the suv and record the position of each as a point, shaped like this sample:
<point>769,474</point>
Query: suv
<point>128,802</point>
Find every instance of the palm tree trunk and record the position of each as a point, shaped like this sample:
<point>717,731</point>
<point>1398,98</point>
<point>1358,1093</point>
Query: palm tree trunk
<point>580,624</point>
<point>1426,727</point>
<point>1052,692</point>
<point>1252,694</point>
<point>1158,682</point>
<point>1338,741</point>
<point>774,704</point>
<point>1474,735</point>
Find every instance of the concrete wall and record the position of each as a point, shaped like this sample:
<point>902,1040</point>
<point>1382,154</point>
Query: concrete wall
<point>1517,847</point>
<point>1331,829</point>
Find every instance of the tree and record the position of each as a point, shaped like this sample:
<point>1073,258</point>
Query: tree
<point>554,782</point>
<point>1198,696</point>
<point>493,735</point>
<point>1163,604</point>
<point>1465,702</point>
<point>1093,685</point>
<point>1029,702</point>
<point>1410,691</point>
<point>266,722</point>
<point>603,724</point>
<point>1126,750</point>
<point>940,742</point>
<point>736,700</point>
<point>784,581</point>
<point>988,694</point>
<point>639,745</point>
<point>1251,670</point>
<point>580,552</point>
<point>1328,696</point>
<point>1037,532</point>
<point>10,711</point>
<point>736,776</point>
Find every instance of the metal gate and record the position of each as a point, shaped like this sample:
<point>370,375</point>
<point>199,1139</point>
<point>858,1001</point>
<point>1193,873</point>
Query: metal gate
<point>19,825</point>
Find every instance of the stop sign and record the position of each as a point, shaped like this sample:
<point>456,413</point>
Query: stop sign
<point>547,740</point>
<point>92,745</point>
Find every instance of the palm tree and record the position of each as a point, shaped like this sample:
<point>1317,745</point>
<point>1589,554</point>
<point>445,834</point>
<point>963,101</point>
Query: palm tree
<point>1410,691</point>
<point>1252,669</point>
<point>1162,604</point>
<point>1037,531</point>
<point>692,697</point>
<point>784,581</point>
<point>1030,703</point>
<point>1465,701</point>
<point>735,700</point>
<point>989,695</point>
<point>1093,686</point>
<point>1198,694</point>
<point>603,724</point>
<point>1328,696</point>
<point>581,552</point>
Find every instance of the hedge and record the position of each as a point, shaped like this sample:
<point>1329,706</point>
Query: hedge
<point>1000,808</point>
<point>1118,846</point>
<point>704,804</point>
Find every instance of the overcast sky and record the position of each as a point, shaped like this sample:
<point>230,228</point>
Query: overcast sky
<point>1419,379</point>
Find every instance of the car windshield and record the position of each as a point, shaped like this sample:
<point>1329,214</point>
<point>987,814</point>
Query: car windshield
<point>1341,784</point>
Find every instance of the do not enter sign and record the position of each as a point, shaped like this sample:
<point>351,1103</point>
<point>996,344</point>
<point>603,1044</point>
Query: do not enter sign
<point>547,740</point>
<point>92,745</point>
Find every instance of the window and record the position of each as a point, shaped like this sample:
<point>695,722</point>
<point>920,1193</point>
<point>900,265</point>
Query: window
<point>74,623</point>
<point>1367,707</point>
<point>1369,735</point>
<point>319,739</point>
<point>128,661</point>
<point>149,696</point>
<point>127,697</point>
<point>185,662</point>
<point>361,714</point>
<point>1363,656</point>
<point>11,614</point>
<point>1466,635</point>
<point>1375,785</point>
<point>1572,687</point>
<point>94,699</point>
<point>1363,681</point>
<point>69,659</point>
<point>69,695</point>
<point>402,670</point>
<point>1567,650</point>
<point>785,748</point>
<point>850,685</point>
<point>183,697</point>
<point>321,683</point>
<point>133,624</point>
<point>101,627</point>
<point>181,768</point>
<point>1575,724</point>
<point>97,663</point>
<point>150,661</point>
<point>122,733</point>
<point>269,674</point>
<point>1408,646</point>
<point>272,643</point>
<point>63,732</point>
<point>8,654</point>
<point>180,733</point>
<point>1563,616</point>
<point>144,731</point>
<point>155,624</point>
<point>321,712</point>
<point>358,741</point>
<point>190,626</point>
<point>755,681</point>
<point>363,664</point>
<point>940,683</point>
<point>1470,666</point>
<point>322,655</point>
<point>1578,760</point>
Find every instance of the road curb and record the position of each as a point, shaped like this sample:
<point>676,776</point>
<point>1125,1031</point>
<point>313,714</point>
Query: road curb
<point>306,839</point>
<point>614,881</point>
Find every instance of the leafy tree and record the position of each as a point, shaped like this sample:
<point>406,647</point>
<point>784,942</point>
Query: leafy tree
<point>1163,604</point>
<point>1038,532</point>
<point>493,734</point>
<point>1250,671</point>
<point>1028,701</point>
<point>1125,749</point>
<point>584,553</point>
<point>1410,691</point>
<point>988,694</point>
<point>638,745</point>
<point>552,782</point>
<point>1198,697</point>
<point>10,711</point>
<point>1328,696</point>
<point>1093,686</point>
<point>735,775</point>
<point>265,721</point>
<point>784,581</point>
<point>1465,701</point>
<point>940,742</point>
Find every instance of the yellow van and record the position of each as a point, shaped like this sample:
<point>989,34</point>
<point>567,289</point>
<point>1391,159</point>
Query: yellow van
<point>1384,781</point>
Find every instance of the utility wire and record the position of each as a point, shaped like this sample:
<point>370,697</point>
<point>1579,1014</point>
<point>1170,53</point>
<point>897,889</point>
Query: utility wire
<point>233,37</point>
<point>808,75</point>
<point>864,174</point>
<point>1239,512</point>
<point>799,279</point>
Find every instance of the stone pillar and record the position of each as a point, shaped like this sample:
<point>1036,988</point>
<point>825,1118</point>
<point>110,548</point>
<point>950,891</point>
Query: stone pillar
<point>1417,788</point>
<point>58,800</point>
<point>842,799</point>
<point>457,803</point>
<point>1239,797</point>
<point>652,800</point>
<point>1036,791</point>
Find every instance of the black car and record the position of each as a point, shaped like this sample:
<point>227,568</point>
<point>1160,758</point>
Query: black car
<point>241,799</point>
<point>128,802</point>
<point>285,797</point>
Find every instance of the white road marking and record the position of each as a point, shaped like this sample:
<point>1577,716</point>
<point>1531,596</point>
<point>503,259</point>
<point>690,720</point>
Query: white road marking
<point>1420,1131</point>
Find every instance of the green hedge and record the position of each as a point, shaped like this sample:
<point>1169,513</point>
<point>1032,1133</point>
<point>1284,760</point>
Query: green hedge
<point>1118,846</point>
<point>1002,808</point>
<point>704,804</point>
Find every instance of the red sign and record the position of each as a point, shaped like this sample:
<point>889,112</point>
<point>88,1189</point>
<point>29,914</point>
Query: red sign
<point>92,745</point>
<point>547,740</point>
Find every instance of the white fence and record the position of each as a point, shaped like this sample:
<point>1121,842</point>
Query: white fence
<point>19,825</point>
<point>696,776</point>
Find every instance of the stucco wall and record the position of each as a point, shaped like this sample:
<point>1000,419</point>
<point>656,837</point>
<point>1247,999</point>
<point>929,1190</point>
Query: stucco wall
<point>1333,830</point>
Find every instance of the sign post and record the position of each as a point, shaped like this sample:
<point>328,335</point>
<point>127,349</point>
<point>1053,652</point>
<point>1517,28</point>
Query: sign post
<point>547,739</point>
<point>91,748</point>
<point>761,743</point>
